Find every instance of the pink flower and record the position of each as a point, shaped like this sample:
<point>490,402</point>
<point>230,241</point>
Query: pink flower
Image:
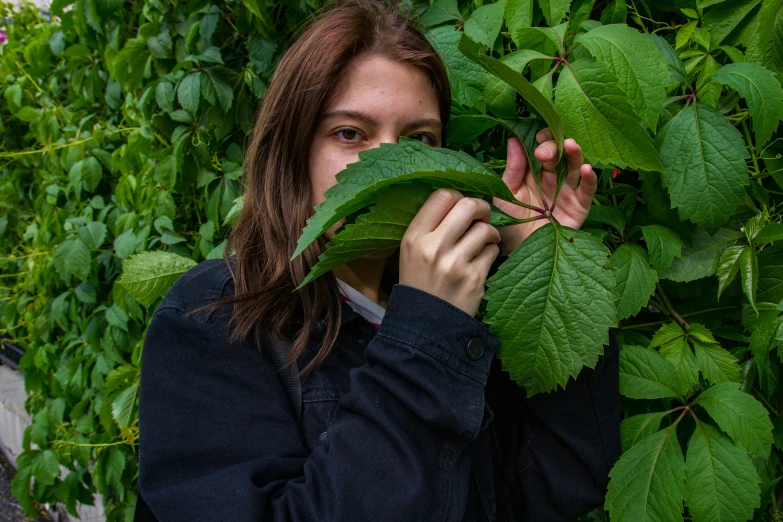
<point>615,173</point>
<point>3,38</point>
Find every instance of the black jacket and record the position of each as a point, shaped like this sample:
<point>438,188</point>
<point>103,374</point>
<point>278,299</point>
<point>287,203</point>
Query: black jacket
<point>400,424</point>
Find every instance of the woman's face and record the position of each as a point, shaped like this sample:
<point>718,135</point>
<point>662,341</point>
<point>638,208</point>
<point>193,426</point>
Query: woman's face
<point>378,101</point>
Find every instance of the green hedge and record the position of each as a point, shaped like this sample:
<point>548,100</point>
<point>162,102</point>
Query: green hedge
<point>123,128</point>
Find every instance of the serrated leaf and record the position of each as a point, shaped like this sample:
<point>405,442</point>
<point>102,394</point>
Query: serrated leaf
<point>484,23</point>
<point>518,14</point>
<point>634,277</point>
<point>500,96</point>
<point>164,95</point>
<point>721,20</point>
<point>123,405</point>
<point>380,229</point>
<point>741,416</point>
<point>702,258</point>
<point>663,245</point>
<point>716,364</point>
<point>645,374</point>
<point>648,482</point>
<point>638,65</point>
<point>551,304</point>
<point>704,156</point>
<point>763,45</point>
<point>681,357</point>
<point>608,215</point>
<point>554,10</point>
<point>465,77</point>
<point>518,82</point>
<point>728,266</point>
<point>45,467</point>
<point>762,91</point>
<point>770,286</point>
<point>92,172</point>
<point>721,481</point>
<point>149,275</point>
<point>614,13</point>
<point>637,428</point>
<point>93,234</point>
<point>749,272</point>
<point>392,163</point>
<point>596,113</point>
<point>441,11</point>
<point>218,76</point>
<point>769,234</point>
<point>72,257</point>
<point>189,92</point>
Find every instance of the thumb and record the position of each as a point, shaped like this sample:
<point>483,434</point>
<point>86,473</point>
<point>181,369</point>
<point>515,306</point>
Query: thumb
<point>516,165</point>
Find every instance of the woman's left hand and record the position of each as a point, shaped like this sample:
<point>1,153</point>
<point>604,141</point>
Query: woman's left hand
<point>573,201</point>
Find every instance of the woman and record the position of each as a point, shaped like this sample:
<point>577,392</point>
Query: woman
<point>406,414</point>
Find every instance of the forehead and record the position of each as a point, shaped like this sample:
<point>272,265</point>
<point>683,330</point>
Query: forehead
<point>378,85</point>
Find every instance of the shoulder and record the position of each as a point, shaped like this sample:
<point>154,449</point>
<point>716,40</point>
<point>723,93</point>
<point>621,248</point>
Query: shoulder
<point>203,284</point>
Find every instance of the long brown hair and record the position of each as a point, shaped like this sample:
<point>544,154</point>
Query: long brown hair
<point>277,198</point>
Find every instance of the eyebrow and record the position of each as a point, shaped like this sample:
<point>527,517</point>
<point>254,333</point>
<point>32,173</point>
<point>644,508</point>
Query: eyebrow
<point>363,116</point>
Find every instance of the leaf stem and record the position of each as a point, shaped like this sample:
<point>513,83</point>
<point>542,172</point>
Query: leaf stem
<point>752,149</point>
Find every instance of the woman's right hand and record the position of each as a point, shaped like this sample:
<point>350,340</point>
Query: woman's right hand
<point>435,256</point>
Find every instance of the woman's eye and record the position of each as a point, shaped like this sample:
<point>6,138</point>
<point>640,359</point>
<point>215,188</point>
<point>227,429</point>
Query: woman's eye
<point>348,134</point>
<point>427,136</point>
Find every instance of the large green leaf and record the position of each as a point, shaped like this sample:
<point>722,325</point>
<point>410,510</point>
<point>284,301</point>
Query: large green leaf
<point>764,46</point>
<point>716,364</point>
<point>741,416</point>
<point>518,82</point>
<point>761,89</point>
<point>639,427</point>
<point>381,228</point>
<point>518,14</point>
<point>501,98</point>
<point>702,258</point>
<point>648,482</point>
<point>554,10</point>
<point>465,77</point>
<point>749,271</point>
<point>551,304</point>
<point>149,275</point>
<point>72,257</point>
<point>645,374</point>
<point>721,482</point>
<point>189,92</point>
<point>596,113</point>
<point>123,405</point>
<point>770,285</point>
<point>721,20</point>
<point>681,357</point>
<point>663,245</point>
<point>704,156</point>
<point>638,65</point>
<point>484,23</point>
<point>728,266</point>
<point>441,11</point>
<point>392,163</point>
<point>634,277</point>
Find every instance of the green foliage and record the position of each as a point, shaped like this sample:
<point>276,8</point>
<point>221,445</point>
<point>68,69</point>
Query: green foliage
<point>123,127</point>
<point>122,163</point>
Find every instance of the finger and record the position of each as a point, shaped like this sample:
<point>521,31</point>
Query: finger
<point>475,239</point>
<point>432,212</point>
<point>459,218</point>
<point>486,258</point>
<point>574,159</point>
<point>516,165</point>
<point>546,153</point>
<point>545,135</point>
<point>586,190</point>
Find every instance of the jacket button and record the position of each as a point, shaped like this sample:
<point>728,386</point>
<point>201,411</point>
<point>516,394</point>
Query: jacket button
<point>475,348</point>
<point>362,343</point>
<point>323,437</point>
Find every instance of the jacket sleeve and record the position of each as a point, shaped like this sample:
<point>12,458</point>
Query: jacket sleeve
<point>561,445</point>
<point>218,440</point>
